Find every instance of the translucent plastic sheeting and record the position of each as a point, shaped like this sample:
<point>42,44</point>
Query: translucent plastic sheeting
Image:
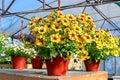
<point>11,23</point>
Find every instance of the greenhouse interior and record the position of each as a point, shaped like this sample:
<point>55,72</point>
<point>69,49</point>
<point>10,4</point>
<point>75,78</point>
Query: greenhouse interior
<point>57,39</point>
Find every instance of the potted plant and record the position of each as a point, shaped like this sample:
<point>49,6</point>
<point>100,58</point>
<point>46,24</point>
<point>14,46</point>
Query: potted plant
<point>19,54</point>
<point>56,37</point>
<point>96,45</point>
<point>36,61</point>
<point>29,42</point>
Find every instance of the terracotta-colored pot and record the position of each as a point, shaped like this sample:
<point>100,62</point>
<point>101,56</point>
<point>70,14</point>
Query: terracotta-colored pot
<point>36,63</point>
<point>57,66</point>
<point>18,62</point>
<point>91,66</point>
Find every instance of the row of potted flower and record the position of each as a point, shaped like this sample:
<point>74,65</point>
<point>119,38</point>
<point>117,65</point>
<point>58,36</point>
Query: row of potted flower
<point>65,36</point>
<point>13,49</point>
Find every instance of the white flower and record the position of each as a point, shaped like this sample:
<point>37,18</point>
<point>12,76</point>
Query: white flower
<point>19,49</point>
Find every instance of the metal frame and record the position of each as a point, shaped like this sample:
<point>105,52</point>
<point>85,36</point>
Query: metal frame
<point>106,18</point>
<point>82,4</point>
<point>4,11</point>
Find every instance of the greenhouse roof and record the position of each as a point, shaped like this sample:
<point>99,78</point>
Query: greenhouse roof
<point>106,13</point>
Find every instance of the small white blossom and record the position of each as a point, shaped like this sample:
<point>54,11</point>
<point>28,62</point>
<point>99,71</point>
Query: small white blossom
<point>19,49</point>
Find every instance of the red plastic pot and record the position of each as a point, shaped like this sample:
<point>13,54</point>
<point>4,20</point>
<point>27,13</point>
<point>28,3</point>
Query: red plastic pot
<point>18,62</point>
<point>36,63</point>
<point>57,66</point>
<point>91,66</point>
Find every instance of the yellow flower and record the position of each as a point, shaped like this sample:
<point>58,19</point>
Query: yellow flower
<point>38,19</point>
<point>84,56</point>
<point>81,20</point>
<point>69,55</point>
<point>92,24</point>
<point>50,19</point>
<point>62,39</point>
<point>111,45</point>
<point>31,25</point>
<point>100,31</point>
<point>48,27</point>
<point>65,21</point>
<point>79,44</point>
<point>97,36</point>
<point>115,53</point>
<point>67,30</point>
<point>77,29</point>
<point>55,38</point>
<point>79,37</point>
<point>70,17</point>
<point>87,38</point>
<point>89,18</point>
<point>72,35</point>
<point>60,13</point>
<point>74,23</point>
<point>40,40</point>
<point>58,21</point>
<point>41,30</point>
<point>91,30</point>
<point>81,15</point>
<point>56,27</point>
<point>81,49</point>
<point>99,46</point>
<point>35,31</point>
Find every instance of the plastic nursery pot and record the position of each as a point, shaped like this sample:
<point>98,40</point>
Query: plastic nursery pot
<point>91,66</point>
<point>57,66</point>
<point>18,62</point>
<point>36,63</point>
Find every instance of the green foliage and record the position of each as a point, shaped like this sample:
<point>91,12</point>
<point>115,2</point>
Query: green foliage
<point>5,60</point>
<point>3,41</point>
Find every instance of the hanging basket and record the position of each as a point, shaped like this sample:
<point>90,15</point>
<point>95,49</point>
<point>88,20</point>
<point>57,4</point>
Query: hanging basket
<point>57,66</point>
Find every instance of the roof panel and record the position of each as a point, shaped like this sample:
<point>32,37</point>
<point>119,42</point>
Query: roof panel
<point>24,5</point>
<point>11,23</point>
<point>6,3</point>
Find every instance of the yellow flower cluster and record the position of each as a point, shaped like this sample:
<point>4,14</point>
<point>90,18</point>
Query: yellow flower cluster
<point>99,45</point>
<point>60,30</point>
<point>63,34</point>
<point>104,39</point>
<point>58,22</point>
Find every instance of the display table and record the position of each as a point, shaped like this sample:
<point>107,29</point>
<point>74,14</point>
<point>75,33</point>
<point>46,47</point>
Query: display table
<point>41,74</point>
